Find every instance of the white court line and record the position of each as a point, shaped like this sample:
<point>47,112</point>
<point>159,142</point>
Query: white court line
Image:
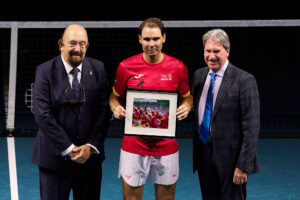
<point>12,168</point>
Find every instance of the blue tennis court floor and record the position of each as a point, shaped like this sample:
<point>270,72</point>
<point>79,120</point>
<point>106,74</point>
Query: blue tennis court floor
<point>279,178</point>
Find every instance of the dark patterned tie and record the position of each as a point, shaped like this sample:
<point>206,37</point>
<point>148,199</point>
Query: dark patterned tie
<point>205,124</point>
<point>76,85</point>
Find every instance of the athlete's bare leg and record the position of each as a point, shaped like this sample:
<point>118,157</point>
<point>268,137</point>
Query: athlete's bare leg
<point>132,193</point>
<point>165,192</point>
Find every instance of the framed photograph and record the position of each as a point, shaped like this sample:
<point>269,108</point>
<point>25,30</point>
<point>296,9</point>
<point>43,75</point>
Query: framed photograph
<point>151,113</point>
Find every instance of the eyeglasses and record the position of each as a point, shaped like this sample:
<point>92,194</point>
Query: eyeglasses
<point>70,97</point>
<point>82,45</point>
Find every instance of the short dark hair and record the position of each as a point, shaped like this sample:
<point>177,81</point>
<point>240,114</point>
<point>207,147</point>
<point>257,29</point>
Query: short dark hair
<point>152,22</point>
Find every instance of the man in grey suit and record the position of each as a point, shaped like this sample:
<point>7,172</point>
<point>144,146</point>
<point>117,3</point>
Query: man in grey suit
<point>226,122</point>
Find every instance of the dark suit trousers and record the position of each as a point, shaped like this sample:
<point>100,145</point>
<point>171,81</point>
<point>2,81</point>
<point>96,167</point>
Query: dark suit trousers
<point>84,181</point>
<point>216,178</point>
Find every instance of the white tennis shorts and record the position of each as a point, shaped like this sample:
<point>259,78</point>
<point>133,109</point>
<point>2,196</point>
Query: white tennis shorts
<point>135,168</point>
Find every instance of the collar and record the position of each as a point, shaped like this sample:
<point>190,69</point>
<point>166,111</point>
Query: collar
<point>222,70</point>
<point>69,67</point>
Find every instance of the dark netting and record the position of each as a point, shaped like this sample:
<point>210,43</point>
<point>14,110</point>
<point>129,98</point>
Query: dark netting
<point>269,53</point>
<point>4,72</point>
<point>35,46</point>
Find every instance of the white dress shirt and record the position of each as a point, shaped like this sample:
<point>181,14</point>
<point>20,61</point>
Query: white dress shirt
<point>70,75</point>
<point>217,83</point>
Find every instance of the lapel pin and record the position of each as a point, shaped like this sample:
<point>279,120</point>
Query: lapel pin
<point>91,73</point>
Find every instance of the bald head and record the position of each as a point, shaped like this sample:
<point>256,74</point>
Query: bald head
<point>73,44</point>
<point>74,29</point>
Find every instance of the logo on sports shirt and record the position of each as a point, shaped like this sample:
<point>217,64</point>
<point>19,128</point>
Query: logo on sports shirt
<point>139,76</point>
<point>141,83</point>
<point>166,77</point>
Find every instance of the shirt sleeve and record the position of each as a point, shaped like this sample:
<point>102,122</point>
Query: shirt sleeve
<point>184,88</point>
<point>68,150</point>
<point>94,149</point>
<point>120,83</point>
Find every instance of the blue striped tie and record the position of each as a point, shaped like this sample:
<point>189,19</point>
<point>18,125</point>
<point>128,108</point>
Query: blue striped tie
<point>76,84</point>
<point>205,124</point>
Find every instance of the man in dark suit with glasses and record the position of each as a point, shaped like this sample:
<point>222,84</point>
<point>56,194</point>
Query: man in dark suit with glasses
<point>71,111</point>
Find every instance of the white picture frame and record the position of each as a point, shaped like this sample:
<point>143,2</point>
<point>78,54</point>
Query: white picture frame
<point>139,105</point>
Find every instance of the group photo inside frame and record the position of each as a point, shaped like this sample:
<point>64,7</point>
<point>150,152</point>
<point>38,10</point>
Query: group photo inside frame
<point>151,113</point>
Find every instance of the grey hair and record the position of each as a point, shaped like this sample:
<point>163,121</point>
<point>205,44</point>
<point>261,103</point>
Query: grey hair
<point>219,35</point>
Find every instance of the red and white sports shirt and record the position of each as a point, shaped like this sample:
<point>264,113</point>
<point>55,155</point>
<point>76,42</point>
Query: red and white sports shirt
<point>170,75</point>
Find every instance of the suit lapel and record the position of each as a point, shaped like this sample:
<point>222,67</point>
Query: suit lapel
<point>87,72</point>
<point>226,83</point>
<point>61,77</point>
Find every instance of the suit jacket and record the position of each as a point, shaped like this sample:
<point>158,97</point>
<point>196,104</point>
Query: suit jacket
<point>62,124</point>
<point>235,122</point>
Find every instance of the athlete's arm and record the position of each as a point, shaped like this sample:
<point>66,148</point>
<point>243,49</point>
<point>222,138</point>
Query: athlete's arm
<point>115,106</point>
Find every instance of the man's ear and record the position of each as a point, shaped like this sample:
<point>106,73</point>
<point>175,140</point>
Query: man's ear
<point>164,38</point>
<point>140,39</point>
<point>60,44</point>
<point>228,52</point>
